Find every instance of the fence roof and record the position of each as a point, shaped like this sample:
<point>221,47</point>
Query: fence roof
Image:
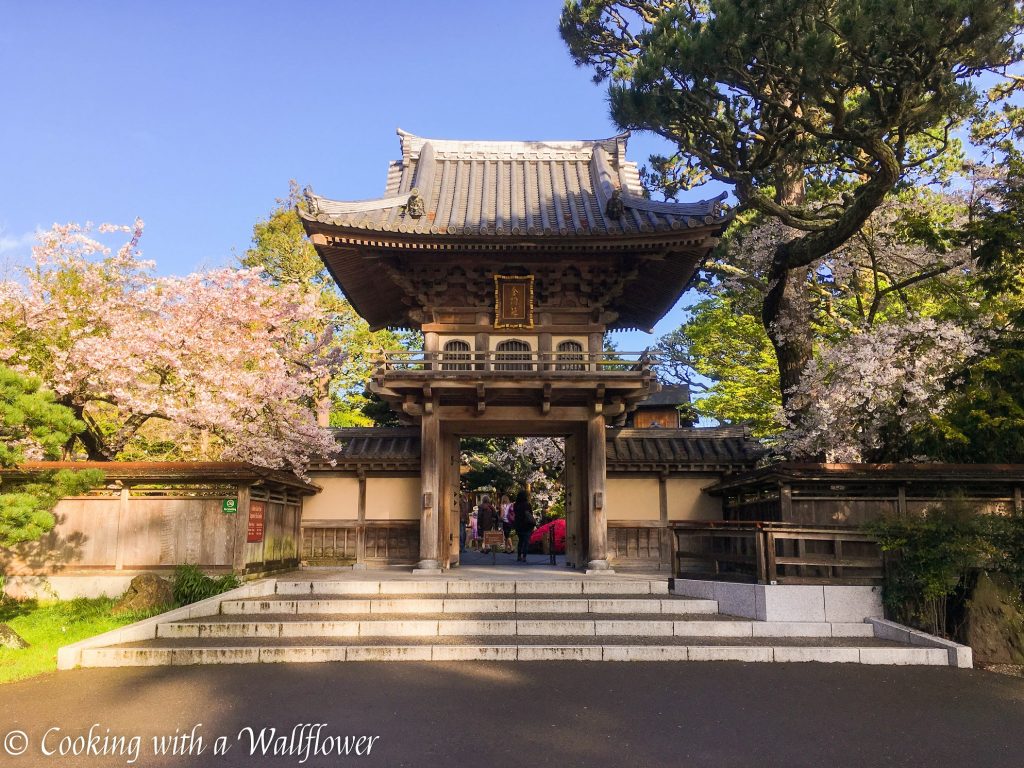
<point>183,472</point>
<point>936,473</point>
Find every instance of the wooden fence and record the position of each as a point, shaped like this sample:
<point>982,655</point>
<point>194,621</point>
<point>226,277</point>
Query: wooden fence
<point>152,527</point>
<point>779,553</point>
<point>376,542</point>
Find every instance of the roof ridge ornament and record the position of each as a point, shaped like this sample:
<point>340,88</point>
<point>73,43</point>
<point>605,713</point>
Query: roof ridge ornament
<point>615,209</point>
<point>415,207</point>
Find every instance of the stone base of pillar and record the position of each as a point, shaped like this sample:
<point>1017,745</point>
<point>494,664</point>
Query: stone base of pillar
<point>427,567</point>
<point>359,566</point>
<point>598,567</point>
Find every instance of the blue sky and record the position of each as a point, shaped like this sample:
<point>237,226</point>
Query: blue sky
<point>194,115</point>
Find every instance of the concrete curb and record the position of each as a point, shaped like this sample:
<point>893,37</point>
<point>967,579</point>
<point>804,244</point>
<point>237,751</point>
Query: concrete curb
<point>414,605</point>
<point>414,627</point>
<point>786,602</point>
<point>70,656</point>
<point>468,586</point>
<point>960,656</point>
<point>116,657</point>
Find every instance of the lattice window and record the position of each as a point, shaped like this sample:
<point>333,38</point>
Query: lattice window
<point>456,356</point>
<point>569,351</point>
<point>515,350</point>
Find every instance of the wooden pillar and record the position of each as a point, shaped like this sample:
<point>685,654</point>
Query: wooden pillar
<point>361,523</point>
<point>544,350</point>
<point>430,346</point>
<point>430,500</point>
<point>122,522</point>
<point>786,503</point>
<point>595,344</point>
<point>596,472</point>
<point>1018,500</point>
<point>665,542</point>
<point>241,529</point>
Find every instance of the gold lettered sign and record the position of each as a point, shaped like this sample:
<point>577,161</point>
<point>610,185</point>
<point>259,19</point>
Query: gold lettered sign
<point>513,301</point>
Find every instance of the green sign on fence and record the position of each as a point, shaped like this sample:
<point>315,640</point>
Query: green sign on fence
<point>229,506</point>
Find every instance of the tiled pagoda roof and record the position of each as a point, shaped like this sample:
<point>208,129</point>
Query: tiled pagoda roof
<point>542,189</point>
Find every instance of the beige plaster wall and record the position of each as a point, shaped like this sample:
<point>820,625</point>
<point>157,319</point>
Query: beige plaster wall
<point>632,498</point>
<point>686,501</point>
<point>392,498</point>
<point>339,499</point>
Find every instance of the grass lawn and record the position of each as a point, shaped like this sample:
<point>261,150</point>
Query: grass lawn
<point>48,625</point>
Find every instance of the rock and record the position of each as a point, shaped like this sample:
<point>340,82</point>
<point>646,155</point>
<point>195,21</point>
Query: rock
<point>995,621</point>
<point>146,593</point>
<point>11,639</point>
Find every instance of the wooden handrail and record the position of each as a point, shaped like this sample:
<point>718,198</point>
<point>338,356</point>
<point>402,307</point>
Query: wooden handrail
<point>492,360</point>
<point>776,553</point>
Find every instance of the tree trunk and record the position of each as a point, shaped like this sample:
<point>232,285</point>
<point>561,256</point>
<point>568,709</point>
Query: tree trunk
<point>90,438</point>
<point>322,400</point>
<point>786,315</point>
<point>786,311</point>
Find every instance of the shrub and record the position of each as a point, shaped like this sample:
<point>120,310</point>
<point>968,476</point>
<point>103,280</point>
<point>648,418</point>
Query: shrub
<point>192,585</point>
<point>932,560</point>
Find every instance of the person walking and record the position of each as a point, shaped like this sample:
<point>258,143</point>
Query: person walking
<point>506,520</point>
<point>487,518</point>
<point>464,509</point>
<point>522,515</point>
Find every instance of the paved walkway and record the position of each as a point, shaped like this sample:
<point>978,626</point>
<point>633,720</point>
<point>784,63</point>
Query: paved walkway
<point>545,714</point>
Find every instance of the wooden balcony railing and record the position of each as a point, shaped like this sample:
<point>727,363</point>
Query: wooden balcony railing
<point>776,553</point>
<point>567,364</point>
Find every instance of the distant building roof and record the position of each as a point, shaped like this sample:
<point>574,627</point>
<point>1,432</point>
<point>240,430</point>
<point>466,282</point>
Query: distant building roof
<point>687,449</point>
<point>670,395</point>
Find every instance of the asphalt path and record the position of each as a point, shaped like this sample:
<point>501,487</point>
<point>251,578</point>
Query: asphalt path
<point>560,714</point>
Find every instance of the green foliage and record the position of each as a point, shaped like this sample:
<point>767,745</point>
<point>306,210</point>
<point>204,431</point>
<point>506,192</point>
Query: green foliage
<point>933,556</point>
<point>26,501</point>
<point>816,114</point>
<point>46,626</point>
<point>983,420</point>
<point>729,347</point>
<point>29,415</point>
<point>282,251</point>
<point>192,585</point>
<point>31,420</point>
<point>482,472</point>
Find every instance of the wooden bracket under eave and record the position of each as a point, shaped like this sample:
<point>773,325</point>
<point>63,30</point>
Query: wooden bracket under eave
<point>545,406</point>
<point>481,398</point>
<point>410,407</point>
<point>599,400</point>
<point>428,400</point>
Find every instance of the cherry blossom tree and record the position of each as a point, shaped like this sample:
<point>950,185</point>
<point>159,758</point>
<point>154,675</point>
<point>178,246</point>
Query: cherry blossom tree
<point>218,357</point>
<point>867,393</point>
<point>532,463</point>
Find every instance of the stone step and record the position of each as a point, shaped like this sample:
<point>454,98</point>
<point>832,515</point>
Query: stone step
<point>472,605</point>
<point>506,625</point>
<point>523,649</point>
<point>537,586</point>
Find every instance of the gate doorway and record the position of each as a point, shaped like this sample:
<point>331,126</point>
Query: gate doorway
<point>568,500</point>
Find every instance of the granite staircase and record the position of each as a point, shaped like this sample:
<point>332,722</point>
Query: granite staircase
<point>447,619</point>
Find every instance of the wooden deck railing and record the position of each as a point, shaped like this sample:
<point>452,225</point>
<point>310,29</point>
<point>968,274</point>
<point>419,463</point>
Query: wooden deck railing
<point>776,553</point>
<point>567,364</point>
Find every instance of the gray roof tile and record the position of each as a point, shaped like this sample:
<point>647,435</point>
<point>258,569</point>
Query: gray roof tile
<point>514,188</point>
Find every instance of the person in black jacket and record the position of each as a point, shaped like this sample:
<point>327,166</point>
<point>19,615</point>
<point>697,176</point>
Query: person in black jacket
<point>524,524</point>
<point>487,518</point>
